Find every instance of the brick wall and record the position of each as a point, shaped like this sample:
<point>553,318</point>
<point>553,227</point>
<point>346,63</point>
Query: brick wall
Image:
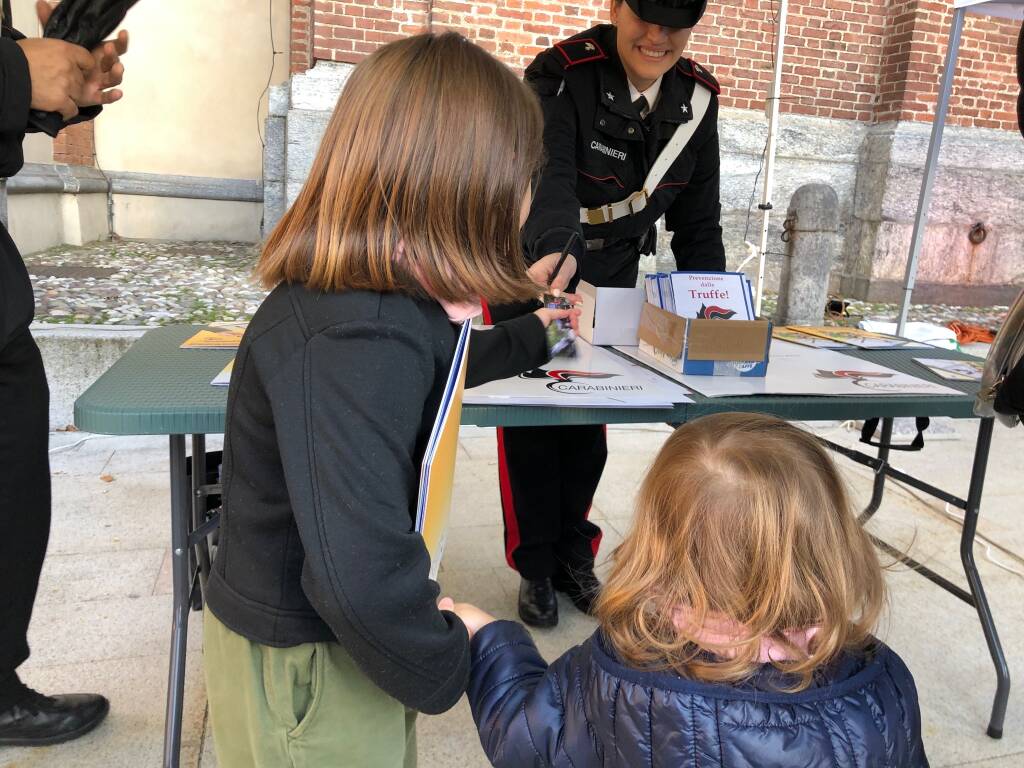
<point>302,35</point>
<point>75,146</point>
<point>866,60</point>
<point>985,88</point>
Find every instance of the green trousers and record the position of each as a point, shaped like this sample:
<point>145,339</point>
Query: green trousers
<point>307,706</point>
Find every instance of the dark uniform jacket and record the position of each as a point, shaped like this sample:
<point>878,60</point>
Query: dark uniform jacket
<point>330,408</point>
<point>599,152</point>
<point>16,300</point>
<point>588,710</point>
<point>17,304</point>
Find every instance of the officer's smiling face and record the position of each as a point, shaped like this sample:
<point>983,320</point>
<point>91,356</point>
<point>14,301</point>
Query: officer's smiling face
<point>647,51</point>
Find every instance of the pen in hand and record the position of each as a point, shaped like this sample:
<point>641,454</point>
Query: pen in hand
<point>561,261</point>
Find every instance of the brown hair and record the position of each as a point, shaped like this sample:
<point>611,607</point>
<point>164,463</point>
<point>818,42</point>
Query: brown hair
<point>432,144</point>
<point>742,517</point>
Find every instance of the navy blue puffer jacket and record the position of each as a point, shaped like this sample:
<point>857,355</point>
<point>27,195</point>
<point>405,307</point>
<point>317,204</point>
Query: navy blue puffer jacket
<point>587,710</point>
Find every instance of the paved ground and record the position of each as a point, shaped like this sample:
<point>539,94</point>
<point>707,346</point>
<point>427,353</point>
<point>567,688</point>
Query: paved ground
<point>144,282</point>
<point>102,620</point>
<point>152,282</point>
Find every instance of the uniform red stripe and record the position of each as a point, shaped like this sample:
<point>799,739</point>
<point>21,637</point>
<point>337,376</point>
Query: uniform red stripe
<point>507,503</point>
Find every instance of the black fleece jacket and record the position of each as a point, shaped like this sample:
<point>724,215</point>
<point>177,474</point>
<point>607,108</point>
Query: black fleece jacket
<point>331,403</point>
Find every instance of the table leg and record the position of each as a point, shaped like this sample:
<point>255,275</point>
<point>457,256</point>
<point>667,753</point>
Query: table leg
<point>879,484</point>
<point>201,550</point>
<point>181,505</point>
<point>995,648</point>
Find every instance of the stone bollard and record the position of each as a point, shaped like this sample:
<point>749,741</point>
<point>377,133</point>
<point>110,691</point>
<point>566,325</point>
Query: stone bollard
<point>812,227</point>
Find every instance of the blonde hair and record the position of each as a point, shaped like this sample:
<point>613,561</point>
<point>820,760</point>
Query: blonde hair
<point>432,144</point>
<point>742,517</point>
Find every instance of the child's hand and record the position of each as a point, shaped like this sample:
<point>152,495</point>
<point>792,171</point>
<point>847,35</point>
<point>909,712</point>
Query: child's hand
<point>548,316</point>
<point>474,618</point>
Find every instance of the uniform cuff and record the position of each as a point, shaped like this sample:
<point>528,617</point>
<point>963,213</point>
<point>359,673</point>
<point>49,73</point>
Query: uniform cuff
<point>553,241</point>
<point>15,88</point>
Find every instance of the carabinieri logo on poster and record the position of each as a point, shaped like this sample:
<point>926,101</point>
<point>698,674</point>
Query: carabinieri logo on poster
<point>876,381</point>
<point>566,382</point>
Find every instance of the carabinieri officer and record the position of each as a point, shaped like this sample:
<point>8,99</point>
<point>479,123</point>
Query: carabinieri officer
<point>631,134</point>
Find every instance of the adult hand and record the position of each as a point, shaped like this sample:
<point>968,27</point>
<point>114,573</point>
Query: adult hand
<point>57,71</point>
<point>540,271</point>
<point>474,618</point>
<point>107,72</point>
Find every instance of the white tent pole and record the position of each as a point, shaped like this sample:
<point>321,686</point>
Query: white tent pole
<point>769,165</point>
<point>930,167</point>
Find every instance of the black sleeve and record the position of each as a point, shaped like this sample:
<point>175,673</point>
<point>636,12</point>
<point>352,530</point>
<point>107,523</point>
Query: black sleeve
<point>555,213</point>
<point>695,217</point>
<point>507,349</point>
<point>352,475</point>
<point>15,97</point>
<point>50,123</point>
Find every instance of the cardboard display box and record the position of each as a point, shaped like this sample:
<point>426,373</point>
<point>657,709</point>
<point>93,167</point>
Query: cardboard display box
<point>610,315</point>
<point>705,347</point>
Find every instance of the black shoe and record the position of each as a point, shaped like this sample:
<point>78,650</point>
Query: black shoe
<point>538,605</point>
<point>580,586</point>
<point>38,720</point>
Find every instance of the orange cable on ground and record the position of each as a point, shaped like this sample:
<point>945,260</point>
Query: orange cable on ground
<point>967,333</point>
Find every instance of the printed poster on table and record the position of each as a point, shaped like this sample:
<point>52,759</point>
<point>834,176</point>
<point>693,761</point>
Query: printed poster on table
<point>856,337</point>
<point>788,334</point>
<point>953,370</point>
<point>593,378</point>
<point>218,336</point>
<point>799,370</point>
<point>437,472</point>
<point>711,295</point>
<point>223,378</point>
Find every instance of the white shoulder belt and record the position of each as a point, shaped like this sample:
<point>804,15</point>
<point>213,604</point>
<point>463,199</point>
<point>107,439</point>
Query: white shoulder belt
<point>636,202</point>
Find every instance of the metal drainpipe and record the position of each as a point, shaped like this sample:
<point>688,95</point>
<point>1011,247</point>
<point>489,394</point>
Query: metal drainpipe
<point>110,188</point>
<point>110,206</point>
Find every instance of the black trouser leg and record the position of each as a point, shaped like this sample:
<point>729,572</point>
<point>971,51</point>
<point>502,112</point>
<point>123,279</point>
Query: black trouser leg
<point>24,498</point>
<point>584,453</point>
<point>548,476</point>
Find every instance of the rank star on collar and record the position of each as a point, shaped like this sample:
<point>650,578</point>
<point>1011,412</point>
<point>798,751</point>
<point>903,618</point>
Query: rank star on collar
<point>685,109</point>
<point>610,96</point>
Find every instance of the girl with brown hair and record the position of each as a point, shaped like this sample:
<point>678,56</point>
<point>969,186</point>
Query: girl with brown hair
<point>735,628</point>
<point>322,635</point>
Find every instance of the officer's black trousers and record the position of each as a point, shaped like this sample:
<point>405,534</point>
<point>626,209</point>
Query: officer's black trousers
<point>548,475</point>
<point>24,499</point>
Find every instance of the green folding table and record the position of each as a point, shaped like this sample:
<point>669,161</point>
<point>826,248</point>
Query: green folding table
<point>156,388</point>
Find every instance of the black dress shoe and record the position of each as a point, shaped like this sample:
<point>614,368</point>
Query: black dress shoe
<point>38,720</point>
<point>580,586</point>
<point>538,605</point>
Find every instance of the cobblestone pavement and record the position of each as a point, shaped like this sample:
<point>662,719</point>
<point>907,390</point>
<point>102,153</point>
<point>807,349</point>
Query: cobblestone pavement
<point>155,282</point>
<point>159,282</point>
<point>939,314</point>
